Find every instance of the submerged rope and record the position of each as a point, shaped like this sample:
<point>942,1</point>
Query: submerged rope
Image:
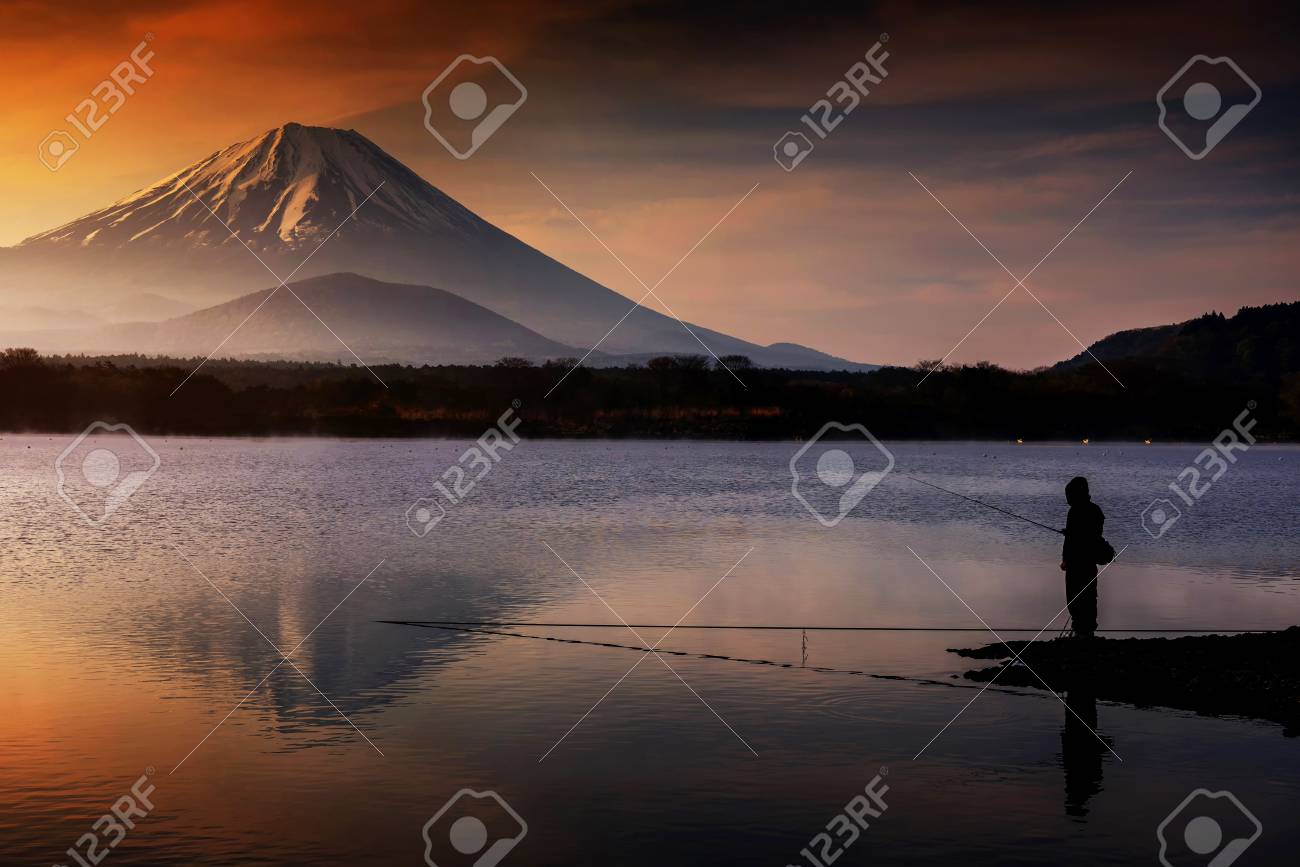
<point>954,683</point>
<point>714,656</point>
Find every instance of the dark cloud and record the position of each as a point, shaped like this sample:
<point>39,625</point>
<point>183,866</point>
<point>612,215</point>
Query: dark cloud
<point>654,117</point>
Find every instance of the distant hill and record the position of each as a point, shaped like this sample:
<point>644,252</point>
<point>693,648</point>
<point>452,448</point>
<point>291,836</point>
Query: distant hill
<point>384,323</point>
<point>143,307</point>
<point>1257,344</point>
<point>381,322</point>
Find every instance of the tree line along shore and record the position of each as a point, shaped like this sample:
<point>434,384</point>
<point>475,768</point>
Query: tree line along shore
<point>668,397</point>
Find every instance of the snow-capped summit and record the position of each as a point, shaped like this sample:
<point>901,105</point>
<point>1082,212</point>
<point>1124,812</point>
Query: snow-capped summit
<point>297,196</point>
<point>289,187</point>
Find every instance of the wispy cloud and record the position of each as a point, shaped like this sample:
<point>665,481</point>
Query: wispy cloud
<point>657,114</point>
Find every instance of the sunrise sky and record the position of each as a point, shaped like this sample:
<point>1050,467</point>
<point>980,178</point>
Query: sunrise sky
<point>652,120</point>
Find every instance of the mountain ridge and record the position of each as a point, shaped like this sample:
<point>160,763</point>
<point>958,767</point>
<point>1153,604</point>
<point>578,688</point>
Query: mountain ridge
<point>284,191</point>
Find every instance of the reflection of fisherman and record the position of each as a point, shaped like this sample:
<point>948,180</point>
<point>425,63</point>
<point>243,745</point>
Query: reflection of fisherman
<point>1081,747</point>
<point>1083,539</point>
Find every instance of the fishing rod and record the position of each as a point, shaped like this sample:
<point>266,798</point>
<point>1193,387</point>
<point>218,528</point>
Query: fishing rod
<point>981,503</point>
<point>495,624</point>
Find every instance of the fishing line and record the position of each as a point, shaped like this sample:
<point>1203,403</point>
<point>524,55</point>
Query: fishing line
<point>980,502</point>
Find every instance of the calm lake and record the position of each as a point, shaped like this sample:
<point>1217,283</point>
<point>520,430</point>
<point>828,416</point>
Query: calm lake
<point>124,655</point>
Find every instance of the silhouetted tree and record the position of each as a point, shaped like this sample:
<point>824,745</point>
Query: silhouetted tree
<point>737,362</point>
<point>693,362</point>
<point>514,362</point>
<point>20,356</point>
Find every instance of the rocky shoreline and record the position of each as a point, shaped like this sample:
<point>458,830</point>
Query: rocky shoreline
<point>1254,675</point>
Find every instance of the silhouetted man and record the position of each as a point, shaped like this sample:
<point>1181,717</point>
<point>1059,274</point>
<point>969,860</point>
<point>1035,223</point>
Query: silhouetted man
<point>1083,540</point>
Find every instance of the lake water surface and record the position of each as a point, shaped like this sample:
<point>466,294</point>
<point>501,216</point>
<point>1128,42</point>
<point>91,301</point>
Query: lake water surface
<point>128,648</point>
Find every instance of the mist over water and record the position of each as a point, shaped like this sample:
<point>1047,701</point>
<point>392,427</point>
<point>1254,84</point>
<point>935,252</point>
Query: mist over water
<point>120,656</point>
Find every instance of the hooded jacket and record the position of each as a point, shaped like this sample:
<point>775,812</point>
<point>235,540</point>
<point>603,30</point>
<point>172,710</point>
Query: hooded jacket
<point>1083,527</point>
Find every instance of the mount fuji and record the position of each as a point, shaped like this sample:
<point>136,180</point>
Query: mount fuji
<point>283,193</point>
